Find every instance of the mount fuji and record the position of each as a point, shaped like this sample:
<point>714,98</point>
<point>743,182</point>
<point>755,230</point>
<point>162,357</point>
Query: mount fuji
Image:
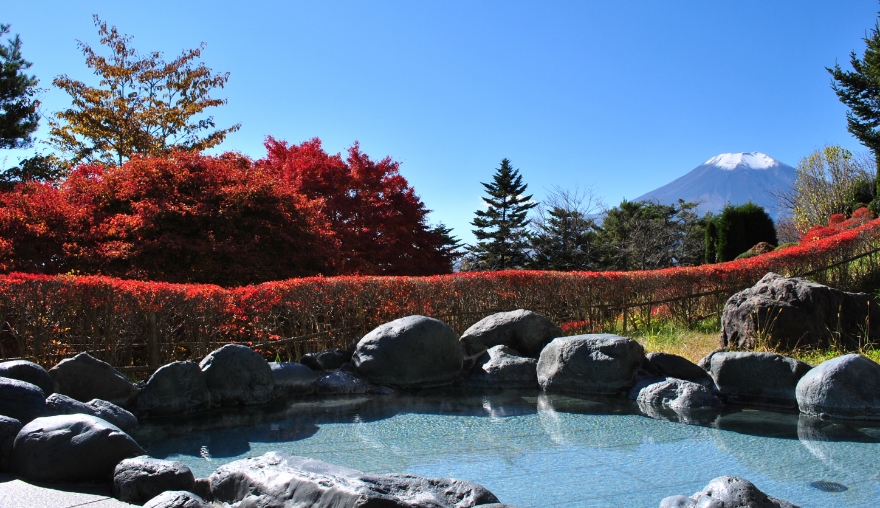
<point>734,178</point>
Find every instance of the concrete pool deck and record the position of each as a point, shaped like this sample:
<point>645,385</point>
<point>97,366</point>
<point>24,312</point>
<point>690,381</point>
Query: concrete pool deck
<point>17,493</point>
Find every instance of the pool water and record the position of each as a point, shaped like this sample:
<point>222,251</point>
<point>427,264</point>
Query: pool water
<point>538,450</point>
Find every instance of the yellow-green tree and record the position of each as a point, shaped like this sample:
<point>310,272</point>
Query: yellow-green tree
<point>143,104</point>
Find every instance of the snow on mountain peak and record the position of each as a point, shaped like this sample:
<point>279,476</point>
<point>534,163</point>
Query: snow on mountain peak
<point>753,160</point>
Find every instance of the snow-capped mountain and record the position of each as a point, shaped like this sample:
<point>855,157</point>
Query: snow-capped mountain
<point>734,178</point>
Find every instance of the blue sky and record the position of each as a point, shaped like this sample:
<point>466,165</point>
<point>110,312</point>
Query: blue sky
<point>624,96</point>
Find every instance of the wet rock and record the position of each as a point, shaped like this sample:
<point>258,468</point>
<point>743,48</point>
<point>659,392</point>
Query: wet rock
<point>331,359</point>
<point>71,449</point>
<point>764,379</point>
<point>727,491</point>
<point>669,365</point>
<point>502,367</point>
<point>140,479</point>
<point>59,404</point>
<point>9,428</point>
<point>293,379</point>
<point>84,378</point>
<point>673,393</point>
<point>522,330</point>
<point>597,364</point>
<point>176,499</point>
<point>844,387</point>
<point>235,374</point>
<point>174,389</point>
<point>278,479</point>
<point>341,382</point>
<point>410,352</point>
<point>28,372</point>
<point>21,400</point>
<point>792,312</point>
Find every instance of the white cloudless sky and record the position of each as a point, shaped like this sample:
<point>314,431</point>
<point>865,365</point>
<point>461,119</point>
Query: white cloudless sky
<point>625,96</point>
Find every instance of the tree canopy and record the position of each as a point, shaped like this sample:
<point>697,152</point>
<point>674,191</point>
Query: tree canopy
<point>18,104</point>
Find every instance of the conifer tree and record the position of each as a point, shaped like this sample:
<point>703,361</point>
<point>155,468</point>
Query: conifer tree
<point>501,229</point>
<point>18,106</point>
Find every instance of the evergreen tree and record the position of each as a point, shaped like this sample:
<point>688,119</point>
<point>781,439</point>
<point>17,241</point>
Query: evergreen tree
<point>18,107</point>
<point>501,229</point>
<point>565,241</point>
<point>738,229</point>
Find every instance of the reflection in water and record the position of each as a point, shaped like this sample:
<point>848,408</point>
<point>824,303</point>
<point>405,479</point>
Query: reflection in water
<point>514,441</point>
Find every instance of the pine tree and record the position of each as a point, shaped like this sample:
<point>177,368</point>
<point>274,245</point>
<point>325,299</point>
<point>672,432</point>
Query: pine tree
<point>501,229</point>
<point>565,241</point>
<point>18,107</point>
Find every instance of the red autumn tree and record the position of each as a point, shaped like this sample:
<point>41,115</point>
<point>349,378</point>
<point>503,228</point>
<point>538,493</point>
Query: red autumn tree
<point>379,221</point>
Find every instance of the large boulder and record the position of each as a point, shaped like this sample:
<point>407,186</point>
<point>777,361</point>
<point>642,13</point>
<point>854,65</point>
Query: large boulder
<point>140,479</point>
<point>293,379</point>
<point>341,382</point>
<point>410,352</point>
<point>236,374</point>
<point>521,330</point>
<point>9,428</point>
<point>669,365</point>
<point>596,364</point>
<point>787,313</point>
<point>676,394</point>
<point>21,400</point>
<point>84,378</point>
<point>502,367</point>
<point>71,449</point>
<point>174,389</point>
<point>330,359</point>
<point>727,492</point>
<point>279,479</point>
<point>844,387</point>
<point>177,499</point>
<point>763,379</point>
<point>59,404</point>
<point>29,372</point>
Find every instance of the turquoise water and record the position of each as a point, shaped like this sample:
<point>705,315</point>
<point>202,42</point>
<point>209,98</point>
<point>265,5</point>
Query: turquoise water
<point>536,450</point>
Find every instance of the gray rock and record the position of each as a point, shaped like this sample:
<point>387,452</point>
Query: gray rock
<point>521,330</point>
<point>844,387</point>
<point>502,367</point>
<point>673,393</point>
<point>341,382</point>
<point>278,479</point>
<point>788,313</point>
<point>293,379</point>
<point>21,400</point>
<point>59,404</point>
<point>727,492</point>
<point>597,364</point>
<point>9,428</point>
<point>174,389</point>
<point>176,499</point>
<point>331,359</point>
<point>141,479</point>
<point>410,352</point>
<point>235,374</point>
<point>764,379</point>
<point>71,449</point>
<point>669,365</point>
<point>84,378</point>
<point>29,372</point>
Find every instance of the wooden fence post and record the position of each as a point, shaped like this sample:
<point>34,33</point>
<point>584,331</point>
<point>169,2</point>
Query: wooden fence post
<point>153,341</point>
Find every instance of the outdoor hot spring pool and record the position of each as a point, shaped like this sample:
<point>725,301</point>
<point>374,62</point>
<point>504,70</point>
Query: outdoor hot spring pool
<point>537,450</point>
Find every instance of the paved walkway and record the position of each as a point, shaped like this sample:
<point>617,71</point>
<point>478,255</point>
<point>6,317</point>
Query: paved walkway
<point>17,493</point>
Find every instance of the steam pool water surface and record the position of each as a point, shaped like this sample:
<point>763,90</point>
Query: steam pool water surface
<point>536,450</point>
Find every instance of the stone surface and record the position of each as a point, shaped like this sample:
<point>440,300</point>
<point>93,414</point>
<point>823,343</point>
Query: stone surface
<point>59,404</point>
<point>21,400</point>
<point>727,492</point>
<point>140,479</point>
<point>29,372</point>
<point>669,365</point>
<point>84,378</point>
<point>278,479</point>
<point>9,428</point>
<point>174,389</point>
<point>765,379</point>
<point>331,359</point>
<point>787,313</point>
<point>176,499</point>
<point>410,352</point>
<point>502,367</point>
<point>293,379</point>
<point>341,382</point>
<point>70,449</point>
<point>844,387</point>
<point>597,364</point>
<point>522,330</point>
<point>673,393</point>
<point>235,374</point>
